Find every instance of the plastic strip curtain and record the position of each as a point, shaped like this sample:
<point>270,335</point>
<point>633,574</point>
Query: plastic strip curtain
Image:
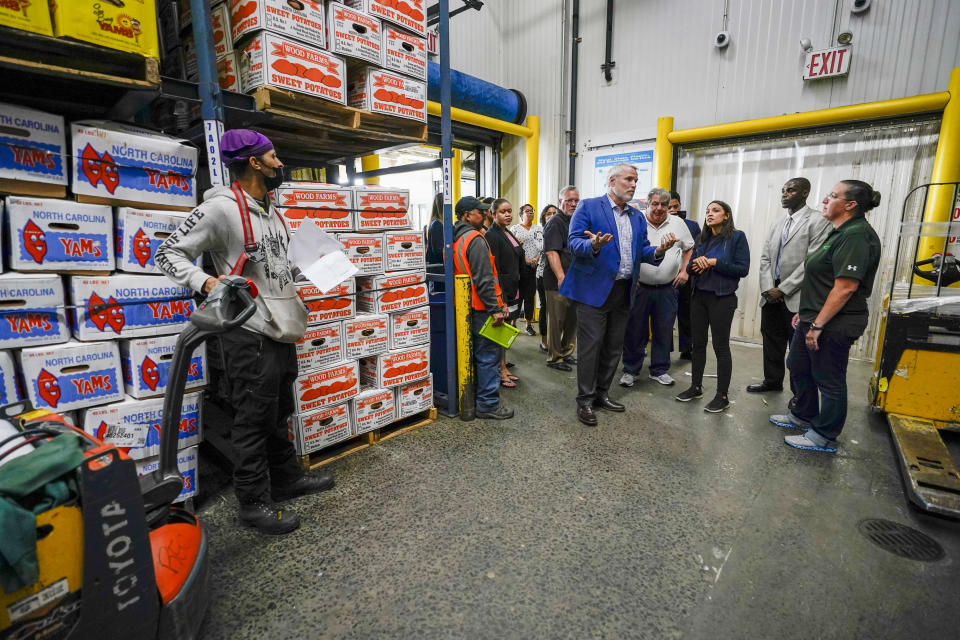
<point>748,175</point>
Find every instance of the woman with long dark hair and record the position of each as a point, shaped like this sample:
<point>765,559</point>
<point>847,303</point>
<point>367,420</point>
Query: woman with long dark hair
<point>720,259</point>
<point>838,279</point>
<point>545,214</point>
<point>508,255</point>
<point>530,237</point>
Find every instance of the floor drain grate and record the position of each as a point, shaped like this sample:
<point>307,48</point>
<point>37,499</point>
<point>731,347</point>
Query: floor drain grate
<point>901,540</point>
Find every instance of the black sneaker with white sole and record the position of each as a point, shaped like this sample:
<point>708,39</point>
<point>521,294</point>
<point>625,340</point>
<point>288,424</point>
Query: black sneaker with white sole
<point>718,404</point>
<point>690,394</point>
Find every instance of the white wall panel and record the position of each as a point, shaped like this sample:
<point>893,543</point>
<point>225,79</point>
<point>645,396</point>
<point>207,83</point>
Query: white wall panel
<point>667,64</point>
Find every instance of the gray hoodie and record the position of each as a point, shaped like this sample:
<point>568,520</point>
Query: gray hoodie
<point>215,226</point>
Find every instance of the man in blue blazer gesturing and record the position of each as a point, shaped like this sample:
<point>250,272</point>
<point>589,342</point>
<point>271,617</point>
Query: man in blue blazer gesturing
<point>608,239</point>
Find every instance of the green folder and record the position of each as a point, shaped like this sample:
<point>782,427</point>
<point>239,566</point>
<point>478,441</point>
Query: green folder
<point>503,334</point>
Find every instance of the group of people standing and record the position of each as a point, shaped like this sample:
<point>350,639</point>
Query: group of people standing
<point>613,281</point>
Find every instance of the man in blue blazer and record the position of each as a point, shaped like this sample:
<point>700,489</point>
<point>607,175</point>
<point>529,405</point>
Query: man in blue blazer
<point>608,239</point>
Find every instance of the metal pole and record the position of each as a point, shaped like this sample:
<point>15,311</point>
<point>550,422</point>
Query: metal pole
<point>211,104</point>
<point>466,392</point>
<point>446,156</point>
<point>574,60</point>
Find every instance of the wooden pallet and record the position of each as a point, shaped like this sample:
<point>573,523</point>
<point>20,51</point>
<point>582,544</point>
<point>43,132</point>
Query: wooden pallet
<point>42,55</point>
<point>358,443</point>
<point>313,125</point>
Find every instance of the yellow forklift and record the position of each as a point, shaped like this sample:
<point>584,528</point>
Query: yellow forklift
<point>916,379</point>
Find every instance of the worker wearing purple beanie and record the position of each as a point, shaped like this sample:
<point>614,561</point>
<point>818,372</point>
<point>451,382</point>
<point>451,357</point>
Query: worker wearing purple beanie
<point>244,235</point>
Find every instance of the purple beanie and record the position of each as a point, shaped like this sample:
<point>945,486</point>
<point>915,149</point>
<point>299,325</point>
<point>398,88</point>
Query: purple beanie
<point>236,145</point>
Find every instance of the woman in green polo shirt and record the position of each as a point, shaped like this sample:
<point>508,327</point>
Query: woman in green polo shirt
<point>838,279</point>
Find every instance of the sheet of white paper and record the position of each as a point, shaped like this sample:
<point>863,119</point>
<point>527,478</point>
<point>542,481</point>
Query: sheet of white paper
<point>319,257</point>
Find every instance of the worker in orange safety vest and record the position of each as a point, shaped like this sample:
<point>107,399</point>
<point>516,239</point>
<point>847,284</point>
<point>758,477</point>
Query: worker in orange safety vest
<point>471,256</point>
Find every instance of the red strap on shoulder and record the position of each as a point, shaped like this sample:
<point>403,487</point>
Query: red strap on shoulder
<point>244,213</point>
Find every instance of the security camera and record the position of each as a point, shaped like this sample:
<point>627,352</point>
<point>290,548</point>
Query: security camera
<point>805,44</point>
<point>721,40</point>
<point>859,6</point>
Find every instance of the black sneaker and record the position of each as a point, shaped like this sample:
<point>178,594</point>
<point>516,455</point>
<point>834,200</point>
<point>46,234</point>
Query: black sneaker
<point>267,517</point>
<point>530,331</point>
<point>500,413</point>
<point>310,483</point>
<point>689,394</point>
<point>718,404</point>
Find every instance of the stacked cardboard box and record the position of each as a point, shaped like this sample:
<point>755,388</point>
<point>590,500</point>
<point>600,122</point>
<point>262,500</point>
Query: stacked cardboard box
<point>364,361</point>
<point>88,324</point>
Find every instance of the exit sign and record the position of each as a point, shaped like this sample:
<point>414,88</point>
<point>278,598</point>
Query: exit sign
<point>827,63</point>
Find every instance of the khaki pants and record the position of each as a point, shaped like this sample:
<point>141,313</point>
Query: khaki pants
<point>561,327</point>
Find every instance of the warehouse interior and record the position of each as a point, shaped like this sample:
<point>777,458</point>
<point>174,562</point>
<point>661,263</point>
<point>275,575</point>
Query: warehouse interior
<point>121,402</point>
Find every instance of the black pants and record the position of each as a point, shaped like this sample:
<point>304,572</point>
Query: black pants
<point>543,310</point>
<point>528,290</point>
<point>260,372</point>
<point>600,332</point>
<point>716,314</point>
<point>684,325</point>
<point>775,328</point>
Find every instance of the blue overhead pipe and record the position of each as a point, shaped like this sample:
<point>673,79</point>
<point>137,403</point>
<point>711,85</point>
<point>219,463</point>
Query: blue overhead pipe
<point>478,96</point>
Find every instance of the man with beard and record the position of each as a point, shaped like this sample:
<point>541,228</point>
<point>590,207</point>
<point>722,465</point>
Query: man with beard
<point>243,234</point>
<point>608,239</point>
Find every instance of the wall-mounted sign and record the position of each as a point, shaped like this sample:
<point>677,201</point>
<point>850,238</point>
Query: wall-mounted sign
<point>433,41</point>
<point>827,63</point>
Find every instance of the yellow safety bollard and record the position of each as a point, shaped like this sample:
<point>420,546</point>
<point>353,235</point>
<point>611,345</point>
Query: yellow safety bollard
<point>465,381</point>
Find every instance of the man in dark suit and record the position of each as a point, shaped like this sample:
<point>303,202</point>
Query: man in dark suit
<point>608,239</point>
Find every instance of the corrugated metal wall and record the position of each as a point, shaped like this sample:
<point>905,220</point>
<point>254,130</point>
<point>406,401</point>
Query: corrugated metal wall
<point>666,63</point>
<point>518,45</point>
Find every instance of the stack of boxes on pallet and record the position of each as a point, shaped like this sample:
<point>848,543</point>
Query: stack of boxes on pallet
<point>365,359</point>
<point>126,26</point>
<point>87,324</point>
<point>370,54</point>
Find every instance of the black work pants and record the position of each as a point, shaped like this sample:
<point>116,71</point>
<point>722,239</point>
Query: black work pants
<point>600,332</point>
<point>528,290</point>
<point>543,310</point>
<point>260,372</point>
<point>709,311</point>
<point>776,329</point>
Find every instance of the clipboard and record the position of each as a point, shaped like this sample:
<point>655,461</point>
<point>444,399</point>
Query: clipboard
<point>503,335</point>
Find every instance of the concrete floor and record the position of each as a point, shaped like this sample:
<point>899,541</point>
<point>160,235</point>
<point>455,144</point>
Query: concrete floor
<point>664,522</point>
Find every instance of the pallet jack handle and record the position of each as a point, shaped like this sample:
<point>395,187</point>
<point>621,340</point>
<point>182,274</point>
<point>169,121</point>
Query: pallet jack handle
<point>229,305</point>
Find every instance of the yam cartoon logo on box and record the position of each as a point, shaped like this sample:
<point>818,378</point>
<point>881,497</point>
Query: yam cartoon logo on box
<point>132,308</point>
<point>121,24</point>
<point>156,375</point>
<point>102,169</point>
<point>72,388</point>
<point>188,427</point>
<point>61,246</point>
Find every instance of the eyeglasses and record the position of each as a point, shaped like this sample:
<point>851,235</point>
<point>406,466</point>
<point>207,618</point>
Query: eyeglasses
<point>834,196</point>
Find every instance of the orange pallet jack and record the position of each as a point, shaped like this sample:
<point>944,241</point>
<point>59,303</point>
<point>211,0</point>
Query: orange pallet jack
<point>120,556</point>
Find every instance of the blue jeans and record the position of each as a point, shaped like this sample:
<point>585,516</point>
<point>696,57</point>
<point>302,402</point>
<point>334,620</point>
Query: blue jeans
<point>658,304</point>
<point>486,360</point>
<point>823,371</point>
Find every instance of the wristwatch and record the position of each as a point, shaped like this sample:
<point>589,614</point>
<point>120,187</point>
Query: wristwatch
<point>814,327</point>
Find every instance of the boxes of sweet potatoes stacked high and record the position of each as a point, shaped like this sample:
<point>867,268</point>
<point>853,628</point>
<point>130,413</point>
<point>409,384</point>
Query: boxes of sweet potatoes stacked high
<point>365,359</point>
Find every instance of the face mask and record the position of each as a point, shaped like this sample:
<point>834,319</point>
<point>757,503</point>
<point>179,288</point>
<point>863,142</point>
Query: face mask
<point>275,181</point>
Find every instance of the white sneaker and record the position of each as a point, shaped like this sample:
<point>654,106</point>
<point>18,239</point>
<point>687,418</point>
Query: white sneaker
<point>627,380</point>
<point>812,441</point>
<point>664,379</point>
